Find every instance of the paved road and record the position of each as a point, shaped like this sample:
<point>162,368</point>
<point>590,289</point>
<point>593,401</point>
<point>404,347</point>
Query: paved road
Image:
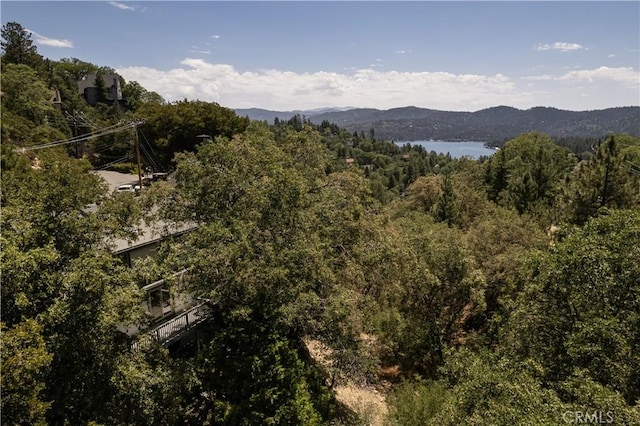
<point>115,179</point>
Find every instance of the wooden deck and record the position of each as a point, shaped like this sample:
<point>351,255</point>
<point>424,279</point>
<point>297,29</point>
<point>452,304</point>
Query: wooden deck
<point>173,329</point>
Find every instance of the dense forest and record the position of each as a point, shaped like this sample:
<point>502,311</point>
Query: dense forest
<point>504,291</point>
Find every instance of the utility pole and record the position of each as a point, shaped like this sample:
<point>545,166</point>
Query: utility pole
<point>75,134</point>
<point>135,129</point>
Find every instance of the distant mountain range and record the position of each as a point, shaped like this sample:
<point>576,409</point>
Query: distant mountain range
<point>488,125</point>
<point>270,116</point>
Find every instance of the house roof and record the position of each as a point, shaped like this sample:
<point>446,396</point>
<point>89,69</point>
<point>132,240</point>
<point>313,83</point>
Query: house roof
<point>150,235</point>
<point>90,81</point>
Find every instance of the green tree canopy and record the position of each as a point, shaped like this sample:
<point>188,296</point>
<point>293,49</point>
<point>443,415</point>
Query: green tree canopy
<point>264,258</point>
<point>25,93</point>
<point>580,309</point>
<point>24,363</point>
<point>17,47</point>
<point>527,172</point>
<point>61,281</point>
<point>173,128</point>
<point>611,179</point>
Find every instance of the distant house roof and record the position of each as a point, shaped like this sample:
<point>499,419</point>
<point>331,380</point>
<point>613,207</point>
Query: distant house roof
<point>90,81</point>
<point>151,235</point>
<point>87,88</point>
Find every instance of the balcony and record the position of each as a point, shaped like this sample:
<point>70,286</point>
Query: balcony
<point>175,328</point>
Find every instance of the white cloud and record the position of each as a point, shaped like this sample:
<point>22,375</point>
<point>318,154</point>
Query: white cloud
<point>543,77</point>
<point>620,74</point>
<point>200,50</point>
<point>274,89</point>
<point>285,90</point>
<point>215,36</point>
<point>561,46</point>
<point>378,63</point>
<point>46,41</point>
<point>403,51</point>
<point>625,75</point>
<point>122,6</point>
<point>586,89</point>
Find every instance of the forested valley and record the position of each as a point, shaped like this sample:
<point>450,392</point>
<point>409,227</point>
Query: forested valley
<point>503,291</point>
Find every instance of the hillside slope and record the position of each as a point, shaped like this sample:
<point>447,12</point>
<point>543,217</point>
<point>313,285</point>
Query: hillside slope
<point>489,125</point>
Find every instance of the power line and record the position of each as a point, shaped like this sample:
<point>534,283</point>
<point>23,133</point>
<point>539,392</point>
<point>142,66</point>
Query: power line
<point>101,132</point>
<point>119,160</point>
<point>149,157</point>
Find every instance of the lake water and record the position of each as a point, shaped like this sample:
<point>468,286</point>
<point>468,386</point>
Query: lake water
<point>473,150</point>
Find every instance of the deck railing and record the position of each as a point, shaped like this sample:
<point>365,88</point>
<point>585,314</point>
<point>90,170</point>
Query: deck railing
<point>171,330</point>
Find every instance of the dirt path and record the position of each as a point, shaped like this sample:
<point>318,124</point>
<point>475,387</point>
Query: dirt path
<point>366,401</point>
<point>369,404</point>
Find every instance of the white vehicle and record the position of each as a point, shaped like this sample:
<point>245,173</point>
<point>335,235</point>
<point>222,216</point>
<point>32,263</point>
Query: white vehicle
<point>126,188</point>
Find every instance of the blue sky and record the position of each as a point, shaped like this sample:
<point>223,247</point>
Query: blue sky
<point>460,56</point>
